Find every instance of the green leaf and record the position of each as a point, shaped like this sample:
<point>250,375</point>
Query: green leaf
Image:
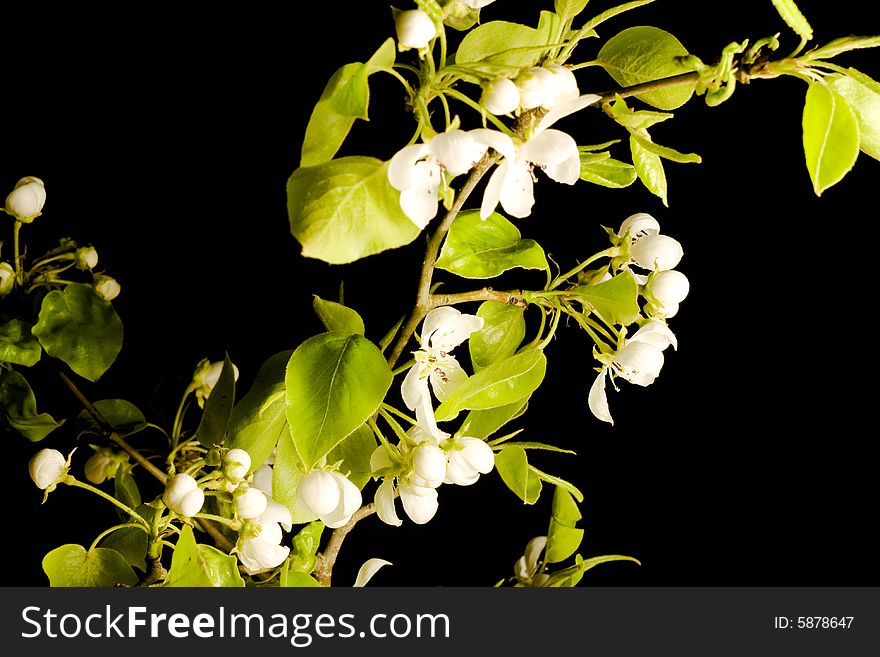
<point>286,473</point>
<point>19,408</point>
<point>71,565</point>
<point>354,452</point>
<point>308,539</point>
<point>863,98</point>
<point>504,328</point>
<point>636,120</point>
<point>568,9</point>
<point>201,565</point>
<point>607,172</point>
<point>484,249</point>
<point>501,383</point>
<point>794,18</point>
<point>649,168</point>
<point>665,152</point>
<point>132,542</point>
<point>642,54</point>
<point>513,466</point>
<point>336,317</point>
<point>831,136</point>
<point>259,419</point>
<point>122,415</point>
<point>616,300</point>
<point>482,424</point>
<point>345,98</point>
<point>297,579</point>
<point>334,383</point>
<point>345,209</point>
<point>18,345</point>
<point>563,537</point>
<point>125,489</point>
<point>527,445</point>
<point>558,482</point>
<point>218,408</point>
<point>569,577</point>
<point>505,44</point>
<point>842,45</point>
<point>80,328</point>
<point>353,97</point>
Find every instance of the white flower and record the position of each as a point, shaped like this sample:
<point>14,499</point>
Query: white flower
<point>444,329</point>
<point>7,278</point>
<point>657,252</point>
<point>107,287</point>
<point>564,87</point>
<point>26,201</point>
<point>328,495</point>
<point>46,467</point>
<point>205,378</point>
<point>669,288</point>
<point>420,503</point>
<point>249,502</point>
<point>86,258</point>
<point>262,551</point>
<point>417,171</point>
<point>236,464</point>
<point>415,29</point>
<point>638,225</point>
<point>183,495</point>
<point>527,566</point>
<point>639,361</point>
<point>468,459</point>
<point>500,96</point>
<point>555,152</point>
<point>101,465</point>
<point>537,87</point>
<point>429,466</point>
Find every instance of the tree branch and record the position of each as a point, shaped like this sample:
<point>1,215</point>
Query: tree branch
<point>324,570</point>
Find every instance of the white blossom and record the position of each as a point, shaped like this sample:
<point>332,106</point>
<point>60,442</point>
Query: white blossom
<point>27,199</point>
<point>262,551</point>
<point>417,171</point>
<point>537,87</point>
<point>183,495</point>
<point>46,467</point>
<point>249,502</point>
<point>86,258</point>
<point>7,278</point>
<point>101,465</point>
<point>415,29</point>
<point>444,329</point>
<point>565,86</point>
<point>500,96</point>
<point>553,151</point>
<point>638,225</point>
<point>429,466</point>
<point>328,495</point>
<point>107,287</point>
<point>236,464</point>
<point>657,252</point>
<point>669,288</point>
<point>420,503</point>
<point>526,569</point>
<point>468,459</point>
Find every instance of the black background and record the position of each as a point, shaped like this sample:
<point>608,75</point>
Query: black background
<point>165,136</point>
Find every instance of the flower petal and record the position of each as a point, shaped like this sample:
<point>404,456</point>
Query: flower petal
<point>533,552</point>
<point>263,479</point>
<point>655,332</point>
<point>419,201</point>
<point>495,140</point>
<point>414,388</point>
<point>447,378</point>
<point>492,194</point>
<point>446,327</point>
<point>567,172</point>
<point>258,555</point>
<point>400,168</point>
<point>457,151</point>
<point>366,572</point>
<point>385,503</point>
<point>598,400</point>
<point>563,109</point>
<point>548,148</point>
<point>517,191</point>
<point>349,502</point>
<point>277,513</point>
<point>420,504</point>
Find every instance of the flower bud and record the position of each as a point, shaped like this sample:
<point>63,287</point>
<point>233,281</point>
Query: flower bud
<point>638,225</point>
<point>639,362</point>
<point>469,458</point>
<point>101,465</point>
<point>318,493</point>
<point>658,252</point>
<point>261,552</point>
<point>429,465</point>
<point>536,88</point>
<point>236,464</point>
<point>205,378</point>
<point>415,29</point>
<point>249,503</point>
<point>565,86</point>
<point>183,495</point>
<point>86,258</point>
<point>7,278</point>
<point>349,502</point>
<point>419,503</point>
<point>27,199</point>
<point>669,287</point>
<point>106,287</point>
<point>500,96</point>
<point>46,467</point>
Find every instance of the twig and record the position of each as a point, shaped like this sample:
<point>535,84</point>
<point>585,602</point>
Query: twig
<point>324,570</point>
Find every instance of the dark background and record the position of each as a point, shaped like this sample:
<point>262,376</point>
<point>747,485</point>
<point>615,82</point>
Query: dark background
<point>165,136</point>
